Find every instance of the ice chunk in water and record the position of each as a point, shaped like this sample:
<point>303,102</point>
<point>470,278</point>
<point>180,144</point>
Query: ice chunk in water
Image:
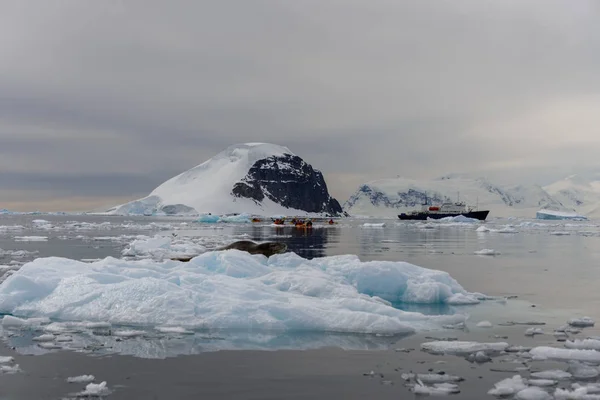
<point>590,344</point>
<point>533,393</point>
<point>438,389</point>
<point>81,379</point>
<point>581,322</point>
<point>462,348</point>
<point>534,331</point>
<point>582,371</point>
<point>508,386</point>
<point>542,382</point>
<point>235,290</point>
<point>555,374</point>
<point>484,324</point>
<point>543,352</point>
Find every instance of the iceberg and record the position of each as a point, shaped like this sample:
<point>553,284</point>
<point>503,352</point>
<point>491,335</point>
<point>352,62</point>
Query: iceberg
<point>235,290</point>
<point>555,215</point>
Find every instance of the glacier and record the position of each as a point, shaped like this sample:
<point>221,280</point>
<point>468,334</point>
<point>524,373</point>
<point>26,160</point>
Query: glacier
<point>235,290</point>
<point>389,197</point>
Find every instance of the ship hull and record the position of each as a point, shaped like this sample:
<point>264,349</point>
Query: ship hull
<point>421,216</point>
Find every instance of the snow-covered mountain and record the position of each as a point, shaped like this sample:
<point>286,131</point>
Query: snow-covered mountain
<point>388,197</point>
<point>256,178</point>
<point>578,192</point>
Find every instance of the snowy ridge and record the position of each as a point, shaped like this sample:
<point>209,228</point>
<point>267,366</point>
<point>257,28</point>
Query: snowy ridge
<point>388,197</point>
<point>235,290</point>
<point>209,187</point>
<point>578,193</point>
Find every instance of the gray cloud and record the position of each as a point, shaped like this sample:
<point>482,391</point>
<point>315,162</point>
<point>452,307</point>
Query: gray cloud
<point>111,98</point>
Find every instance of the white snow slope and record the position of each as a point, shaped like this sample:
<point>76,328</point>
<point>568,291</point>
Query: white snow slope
<point>579,193</point>
<point>207,187</point>
<point>235,290</point>
<point>388,197</point>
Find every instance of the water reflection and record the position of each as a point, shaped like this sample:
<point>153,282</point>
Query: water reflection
<point>307,243</point>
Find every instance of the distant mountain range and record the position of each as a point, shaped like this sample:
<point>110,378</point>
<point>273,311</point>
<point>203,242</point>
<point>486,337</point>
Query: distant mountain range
<point>388,197</point>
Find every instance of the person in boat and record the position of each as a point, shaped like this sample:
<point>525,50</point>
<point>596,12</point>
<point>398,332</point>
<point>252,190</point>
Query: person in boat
<point>331,222</point>
<point>309,224</point>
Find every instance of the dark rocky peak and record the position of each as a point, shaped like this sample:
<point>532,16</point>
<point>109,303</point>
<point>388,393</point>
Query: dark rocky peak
<point>289,181</point>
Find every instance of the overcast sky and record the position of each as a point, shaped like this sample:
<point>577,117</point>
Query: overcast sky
<point>101,101</point>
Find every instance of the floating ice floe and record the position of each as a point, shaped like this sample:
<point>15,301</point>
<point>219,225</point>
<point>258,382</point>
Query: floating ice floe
<point>235,290</point>
<point>553,353</point>
<point>373,225</point>
<point>508,386</point>
<point>432,378</point>
<point>81,379</point>
<point>484,324</point>
<point>552,374</point>
<point>560,233</point>
<point>438,389</point>
<point>95,390</point>
<point>486,252</point>
<point>588,344</point>
<point>582,322</point>
<point>534,331</point>
<point>462,348</point>
<point>533,393</point>
<point>31,238</point>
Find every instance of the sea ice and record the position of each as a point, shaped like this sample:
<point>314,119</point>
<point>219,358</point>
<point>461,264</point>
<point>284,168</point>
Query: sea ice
<point>590,344</point>
<point>554,374</point>
<point>533,393</point>
<point>31,238</point>
<point>486,252</point>
<point>583,371</point>
<point>544,352</point>
<point>373,225</point>
<point>432,378</point>
<point>580,393</point>
<point>508,386</point>
<point>438,389</point>
<point>6,359</point>
<point>484,324</point>
<point>174,329</point>
<point>235,290</point>
<point>93,389</point>
<point>44,338</point>
<point>582,322</point>
<point>462,348</point>
<point>542,382</point>
<point>534,331</point>
<point>81,379</point>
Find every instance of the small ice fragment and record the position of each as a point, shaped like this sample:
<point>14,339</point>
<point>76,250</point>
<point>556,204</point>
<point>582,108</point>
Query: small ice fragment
<point>534,331</point>
<point>533,393</point>
<point>590,344</point>
<point>542,382</point>
<point>433,378</point>
<point>128,333</point>
<point>582,371</point>
<point>486,252</point>
<point>174,329</point>
<point>517,349</point>
<point>6,359</point>
<point>7,369</point>
<point>95,389</point>
<point>461,348</point>
<point>81,379</point>
<point>555,374</point>
<point>589,356</point>
<point>484,324</point>
<point>438,389</point>
<point>44,338</point>
<point>49,345</point>
<point>508,386</point>
<point>582,322</point>
<point>480,357</point>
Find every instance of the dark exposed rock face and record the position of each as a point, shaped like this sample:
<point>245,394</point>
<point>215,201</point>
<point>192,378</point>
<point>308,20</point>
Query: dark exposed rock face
<point>289,181</point>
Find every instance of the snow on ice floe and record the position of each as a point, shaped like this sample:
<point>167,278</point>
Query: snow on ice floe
<point>233,289</point>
